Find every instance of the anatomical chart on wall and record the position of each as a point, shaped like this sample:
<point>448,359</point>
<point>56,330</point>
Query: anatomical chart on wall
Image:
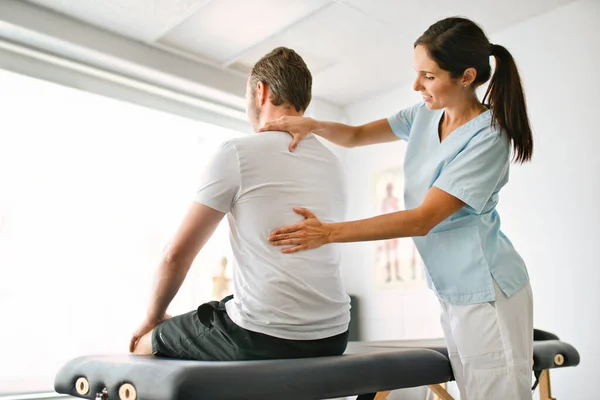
<point>396,262</point>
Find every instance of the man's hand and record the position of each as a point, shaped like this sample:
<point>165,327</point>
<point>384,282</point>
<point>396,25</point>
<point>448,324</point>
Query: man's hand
<point>144,328</point>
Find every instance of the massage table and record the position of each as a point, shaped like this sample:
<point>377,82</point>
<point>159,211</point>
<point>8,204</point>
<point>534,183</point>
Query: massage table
<point>370,370</point>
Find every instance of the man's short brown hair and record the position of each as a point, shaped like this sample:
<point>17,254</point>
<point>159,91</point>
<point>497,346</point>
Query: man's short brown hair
<point>285,73</point>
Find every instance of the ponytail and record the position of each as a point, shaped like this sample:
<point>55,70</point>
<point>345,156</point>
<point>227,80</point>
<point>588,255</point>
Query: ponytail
<point>507,103</point>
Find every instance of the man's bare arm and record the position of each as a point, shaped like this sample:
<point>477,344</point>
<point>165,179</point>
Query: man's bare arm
<point>196,228</point>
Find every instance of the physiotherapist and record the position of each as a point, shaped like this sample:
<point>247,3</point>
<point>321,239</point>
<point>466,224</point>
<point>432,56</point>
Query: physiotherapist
<point>458,155</point>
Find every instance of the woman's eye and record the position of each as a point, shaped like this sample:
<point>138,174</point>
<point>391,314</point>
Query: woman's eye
<point>429,78</point>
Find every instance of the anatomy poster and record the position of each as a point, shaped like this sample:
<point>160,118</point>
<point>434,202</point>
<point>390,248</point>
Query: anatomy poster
<point>396,262</point>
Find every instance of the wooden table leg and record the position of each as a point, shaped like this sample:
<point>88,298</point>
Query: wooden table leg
<point>545,389</point>
<point>382,395</point>
<point>440,391</point>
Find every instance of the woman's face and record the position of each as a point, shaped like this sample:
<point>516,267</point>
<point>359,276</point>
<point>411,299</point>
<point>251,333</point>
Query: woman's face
<point>436,86</point>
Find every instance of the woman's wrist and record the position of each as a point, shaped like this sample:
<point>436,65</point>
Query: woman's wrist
<point>333,232</point>
<point>315,126</point>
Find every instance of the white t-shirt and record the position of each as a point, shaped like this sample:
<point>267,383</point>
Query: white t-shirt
<point>257,182</point>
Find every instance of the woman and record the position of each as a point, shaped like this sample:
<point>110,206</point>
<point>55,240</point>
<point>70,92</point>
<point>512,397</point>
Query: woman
<point>457,160</point>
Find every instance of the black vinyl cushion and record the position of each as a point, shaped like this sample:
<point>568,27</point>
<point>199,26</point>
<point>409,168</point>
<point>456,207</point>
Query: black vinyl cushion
<point>539,334</point>
<point>366,367</point>
<point>544,351</point>
<point>361,370</point>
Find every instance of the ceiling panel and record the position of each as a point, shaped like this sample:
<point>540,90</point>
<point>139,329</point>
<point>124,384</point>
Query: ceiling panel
<point>226,28</point>
<point>378,68</point>
<point>325,38</point>
<point>415,17</point>
<point>353,47</point>
<point>143,20</point>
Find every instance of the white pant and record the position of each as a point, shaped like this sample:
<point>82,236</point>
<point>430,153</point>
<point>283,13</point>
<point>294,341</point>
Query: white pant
<point>491,346</point>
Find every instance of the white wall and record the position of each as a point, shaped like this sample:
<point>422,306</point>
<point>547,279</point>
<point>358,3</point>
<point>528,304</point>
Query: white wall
<point>323,110</point>
<point>549,209</point>
<point>386,313</point>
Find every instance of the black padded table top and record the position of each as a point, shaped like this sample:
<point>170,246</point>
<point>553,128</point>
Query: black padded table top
<point>432,344</point>
<point>366,367</point>
<point>363,369</point>
<point>547,354</point>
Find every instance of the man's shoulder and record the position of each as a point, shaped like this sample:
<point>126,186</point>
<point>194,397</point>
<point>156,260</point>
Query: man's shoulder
<point>273,140</point>
<point>276,143</point>
<point>262,138</point>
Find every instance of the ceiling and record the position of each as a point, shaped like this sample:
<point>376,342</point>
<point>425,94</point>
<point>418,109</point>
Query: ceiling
<point>354,48</point>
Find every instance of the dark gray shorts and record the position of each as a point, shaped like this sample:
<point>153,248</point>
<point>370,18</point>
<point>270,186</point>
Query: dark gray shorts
<point>209,334</point>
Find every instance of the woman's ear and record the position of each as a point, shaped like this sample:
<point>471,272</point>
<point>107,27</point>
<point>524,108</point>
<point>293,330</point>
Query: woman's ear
<point>469,76</point>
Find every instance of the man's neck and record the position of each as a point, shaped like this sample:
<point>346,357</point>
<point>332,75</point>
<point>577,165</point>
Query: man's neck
<point>271,113</point>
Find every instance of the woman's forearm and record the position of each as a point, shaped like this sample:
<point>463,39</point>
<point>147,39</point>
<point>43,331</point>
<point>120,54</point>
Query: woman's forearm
<point>407,223</point>
<point>436,207</point>
<point>352,136</point>
<point>340,134</point>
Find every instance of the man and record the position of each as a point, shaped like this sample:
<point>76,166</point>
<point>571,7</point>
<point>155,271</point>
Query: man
<point>282,306</point>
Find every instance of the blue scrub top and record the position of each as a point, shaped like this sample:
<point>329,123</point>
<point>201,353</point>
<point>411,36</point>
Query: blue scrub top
<point>466,252</point>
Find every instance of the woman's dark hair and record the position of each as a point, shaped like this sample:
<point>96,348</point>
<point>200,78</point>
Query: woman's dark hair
<point>456,44</point>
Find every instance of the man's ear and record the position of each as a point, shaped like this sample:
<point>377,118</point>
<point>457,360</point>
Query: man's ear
<point>262,93</point>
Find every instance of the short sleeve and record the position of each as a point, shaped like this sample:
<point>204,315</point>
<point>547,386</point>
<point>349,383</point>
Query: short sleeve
<point>475,173</point>
<point>220,182</point>
<point>401,122</point>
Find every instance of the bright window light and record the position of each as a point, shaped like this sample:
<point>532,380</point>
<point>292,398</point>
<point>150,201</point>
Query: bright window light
<point>91,191</point>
